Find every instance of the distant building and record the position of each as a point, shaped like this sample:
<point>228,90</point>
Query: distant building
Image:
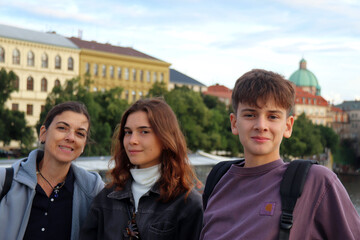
<point>305,79</point>
<point>179,79</point>
<point>221,92</point>
<point>41,61</point>
<point>352,108</point>
<point>309,101</point>
<point>112,66</point>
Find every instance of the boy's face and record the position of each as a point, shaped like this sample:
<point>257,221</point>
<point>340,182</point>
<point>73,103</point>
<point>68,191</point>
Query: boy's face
<point>261,130</point>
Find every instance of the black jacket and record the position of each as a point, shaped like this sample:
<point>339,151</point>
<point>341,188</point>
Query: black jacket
<point>178,219</point>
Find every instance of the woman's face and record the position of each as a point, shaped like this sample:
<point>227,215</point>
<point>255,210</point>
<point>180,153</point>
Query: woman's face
<point>65,138</point>
<point>141,144</point>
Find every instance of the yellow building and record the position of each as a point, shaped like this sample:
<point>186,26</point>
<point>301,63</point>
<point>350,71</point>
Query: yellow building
<point>41,61</point>
<point>112,66</point>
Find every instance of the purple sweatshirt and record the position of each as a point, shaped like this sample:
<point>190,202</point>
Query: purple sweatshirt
<point>246,204</point>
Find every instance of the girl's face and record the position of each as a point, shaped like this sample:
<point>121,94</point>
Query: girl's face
<point>141,144</point>
<point>65,138</point>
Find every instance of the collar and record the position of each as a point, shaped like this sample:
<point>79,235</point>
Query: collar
<point>126,192</point>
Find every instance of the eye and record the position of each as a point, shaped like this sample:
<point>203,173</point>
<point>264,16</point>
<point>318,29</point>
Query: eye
<point>127,132</point>
<point>81,134</point>
<point>249,115</point>
<point>273,117</point>
<point>145,132</point>
<point>62,128</point>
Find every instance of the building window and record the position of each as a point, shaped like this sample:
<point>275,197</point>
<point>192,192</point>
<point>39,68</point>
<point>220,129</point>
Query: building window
<point>161,77</point>
<point>148,76</point>
<point>95,89</point>
<point>57,62</point>
<point>141,95</point>
<point>30,84</point>
<point>43,85</point>
<point>141,75</point>
<point>57,83</point>
<point>30,59</point>
<point>95,69</point>
<point>127,95</point>
<point>87,68</point>
<point>111,68</point>
<point>15,107</point>
<point>126,74</point>
<point>16,56</point>
<point>133,96</point>
<point>29,109</point>
<point>70,63</point>
<point>103,70</point>
<point>155,77</point>
<point>119,72</point>
<point>134,74</point>
<point>16,83</point>
<point>44,61</point>
<point>2,54</point>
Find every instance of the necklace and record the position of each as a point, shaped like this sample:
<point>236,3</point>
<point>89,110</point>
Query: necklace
<point>56,188</point>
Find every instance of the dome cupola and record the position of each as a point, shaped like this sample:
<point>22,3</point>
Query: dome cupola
<point>305,79</point>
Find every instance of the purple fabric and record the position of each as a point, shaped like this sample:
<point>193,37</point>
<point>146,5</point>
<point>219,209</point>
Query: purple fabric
<point>246,204</point>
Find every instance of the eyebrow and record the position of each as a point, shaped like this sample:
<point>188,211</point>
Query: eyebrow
<point>141,127</point>
<point>65,123</point>
<point>254,110</point>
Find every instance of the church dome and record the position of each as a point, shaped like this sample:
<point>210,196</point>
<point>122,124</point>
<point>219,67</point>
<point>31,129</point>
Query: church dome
<point>305,78</point>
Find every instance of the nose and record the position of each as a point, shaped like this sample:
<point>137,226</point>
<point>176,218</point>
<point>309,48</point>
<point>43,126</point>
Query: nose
<point>261,124</point>
<point>133,139</point>
<point>70,136</point>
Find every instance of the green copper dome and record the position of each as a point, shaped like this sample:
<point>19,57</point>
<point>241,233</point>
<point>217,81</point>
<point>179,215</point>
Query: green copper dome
<point>305,78</point>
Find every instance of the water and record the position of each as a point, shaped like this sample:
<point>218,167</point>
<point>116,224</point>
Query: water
<point>352,185</point>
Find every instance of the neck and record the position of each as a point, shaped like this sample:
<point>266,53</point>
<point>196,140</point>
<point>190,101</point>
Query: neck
<point>255,161</point>
<point>52,171</point>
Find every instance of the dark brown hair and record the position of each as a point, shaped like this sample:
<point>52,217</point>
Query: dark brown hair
<point>259,85</point>
<point>177,175</point>
<point>72,106</point>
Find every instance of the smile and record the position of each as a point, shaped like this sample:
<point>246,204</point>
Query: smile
<point>66,148</point>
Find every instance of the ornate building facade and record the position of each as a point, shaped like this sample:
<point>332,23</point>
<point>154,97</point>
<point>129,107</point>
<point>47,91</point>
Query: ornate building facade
<point>41,61</point>
<point>112,66</point>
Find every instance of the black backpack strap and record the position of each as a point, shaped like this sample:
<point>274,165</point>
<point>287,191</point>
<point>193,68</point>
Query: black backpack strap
<point>291,188</point>
<point>9,174</point>
<point>214,176</point>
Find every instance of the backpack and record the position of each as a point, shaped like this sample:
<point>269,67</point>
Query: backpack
<point>9,174</point>
<point>291,188</point>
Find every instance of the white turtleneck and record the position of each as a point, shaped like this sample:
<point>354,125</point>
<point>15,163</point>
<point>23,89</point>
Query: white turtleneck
<point>144,179</point>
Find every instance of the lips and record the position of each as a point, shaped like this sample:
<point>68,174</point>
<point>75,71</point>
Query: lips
<point>260,139</point>
<point>66,148</point>
<point>134,151</point>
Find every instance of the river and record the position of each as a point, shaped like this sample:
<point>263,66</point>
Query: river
<point>352,185</point>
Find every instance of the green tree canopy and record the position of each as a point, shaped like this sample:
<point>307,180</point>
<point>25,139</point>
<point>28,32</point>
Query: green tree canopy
<point>13,125</point>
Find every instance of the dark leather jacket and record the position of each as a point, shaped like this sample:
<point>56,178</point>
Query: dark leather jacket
<point>178,219</point>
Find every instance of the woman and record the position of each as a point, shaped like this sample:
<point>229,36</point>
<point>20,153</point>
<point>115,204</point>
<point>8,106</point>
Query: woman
<point>50,197</point>
<point>151,194</point>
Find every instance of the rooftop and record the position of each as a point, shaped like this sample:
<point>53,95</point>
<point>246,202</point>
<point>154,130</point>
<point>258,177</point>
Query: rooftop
<point>35,36</point>
<point>178,77</point>
<point>106,47</point>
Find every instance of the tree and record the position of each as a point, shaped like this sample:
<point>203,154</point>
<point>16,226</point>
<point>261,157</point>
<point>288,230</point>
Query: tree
<point>305,139</point>
<point>158,90</point>
<point>13,125</point>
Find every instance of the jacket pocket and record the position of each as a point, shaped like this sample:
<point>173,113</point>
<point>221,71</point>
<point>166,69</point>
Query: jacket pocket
<point>162,231</point>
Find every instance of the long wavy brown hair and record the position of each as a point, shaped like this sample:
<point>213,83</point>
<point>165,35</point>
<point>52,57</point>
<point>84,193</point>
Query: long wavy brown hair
<point>177,175</point>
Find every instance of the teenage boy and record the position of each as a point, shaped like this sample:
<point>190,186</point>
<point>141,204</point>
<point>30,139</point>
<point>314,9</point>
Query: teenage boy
<point>245,203</point>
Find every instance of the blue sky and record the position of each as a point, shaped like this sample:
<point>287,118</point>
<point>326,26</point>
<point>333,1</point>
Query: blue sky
<point>216,41</point>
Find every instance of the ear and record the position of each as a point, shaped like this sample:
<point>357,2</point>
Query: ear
<point>233,121</point>
<point>42,134</point>
<point>289,126</point>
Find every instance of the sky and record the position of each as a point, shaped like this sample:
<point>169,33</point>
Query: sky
<point>216,41</point>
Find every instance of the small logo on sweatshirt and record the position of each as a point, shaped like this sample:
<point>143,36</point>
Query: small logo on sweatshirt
<point>267,209</point>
